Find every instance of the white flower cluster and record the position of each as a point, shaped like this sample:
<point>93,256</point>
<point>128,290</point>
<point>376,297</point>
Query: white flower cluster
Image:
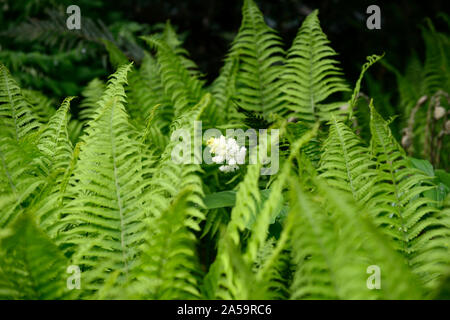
<point>227,152</point>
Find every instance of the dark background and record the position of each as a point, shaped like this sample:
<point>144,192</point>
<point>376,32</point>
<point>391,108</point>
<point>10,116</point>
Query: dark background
<point>209,27</point>
<point>212,24</point>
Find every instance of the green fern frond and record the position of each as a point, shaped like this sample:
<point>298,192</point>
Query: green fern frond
<point>173,200</point>
<point>170,177</point>
<point>170,37</point>
<point>311,243</point>
<point>116,56</point>
<point>260,54</point>
<point>400,207</point>
<point>20,177</point>
<point>236,275</point>
<point>144,92</point>
<point>311,74</point>
<point>54,141</point>
<point>183,89</point>
<point>437,59</point>
<point>223,89</point>
<point>170,269</point>
<point>91,95</point>
<point>16,117</point>
<point>21,172</point>
<point>31,266</point>
<point>346,162</point>
<point>103,223</point>
<point>370,61</point>
<point>56,148</point>
<point>222,281</point>
<point>41,106</point>
<point>328,263</point>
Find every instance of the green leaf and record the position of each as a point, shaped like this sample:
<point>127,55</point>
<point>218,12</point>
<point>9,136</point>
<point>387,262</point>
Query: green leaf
<point>423,165</point>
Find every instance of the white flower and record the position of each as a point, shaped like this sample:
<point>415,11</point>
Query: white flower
<point>226,152</point>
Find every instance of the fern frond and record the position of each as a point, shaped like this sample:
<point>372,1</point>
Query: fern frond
<point>170,269</point>
<point>223,89</point>
<point>91,95</point>
<point>145,91</point>
<point>183,89</point>
<point>19,158</point>
<point>173,200</point>
<point>400,207</point>
<point>103,223</point>
<point>328,263</point>
<point>370,61</point>
<point>260,54</point>
<point>222,280</point>
<point>311,74</point>
<point>437,60</point>
<point>345,163</point>
<point>41,105</point>
<point>56,148</point>
<point>54,141</point>
<point>20,177</point>
<point>116,56</point>
<point>311,240</point>
<point>170,37</point>
<point>236,275</point>
<point>16,117</point>
<point>31,266</point>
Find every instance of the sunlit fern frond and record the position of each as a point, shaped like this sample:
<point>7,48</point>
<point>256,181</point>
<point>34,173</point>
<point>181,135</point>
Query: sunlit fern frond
<point>228,277</point>
<point>57,151</point>
<point>170,268</point>
<point>103,222</point>
<point>311,74</point>
<point>21,173</point>
<point>345,162</point>
<point>325,228</point>
<point>260,54</point>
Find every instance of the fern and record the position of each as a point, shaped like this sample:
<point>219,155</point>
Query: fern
<point>91,94</point>
<point>104,219</point>
<point>31,266</point>
<point>407,216</point>
<point>370,61</point>
<point>311,75</point>
<point>346,162</point>
<point>16,116</point>
<point>170,269</point>
<point>41,105</point>
<point>436,65</point>
<point>57,151</point>
<point>183,88</point>
<point>102,187</point>
<point>223,90</point>
<point>327,261</point>
<point>260,54</point>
